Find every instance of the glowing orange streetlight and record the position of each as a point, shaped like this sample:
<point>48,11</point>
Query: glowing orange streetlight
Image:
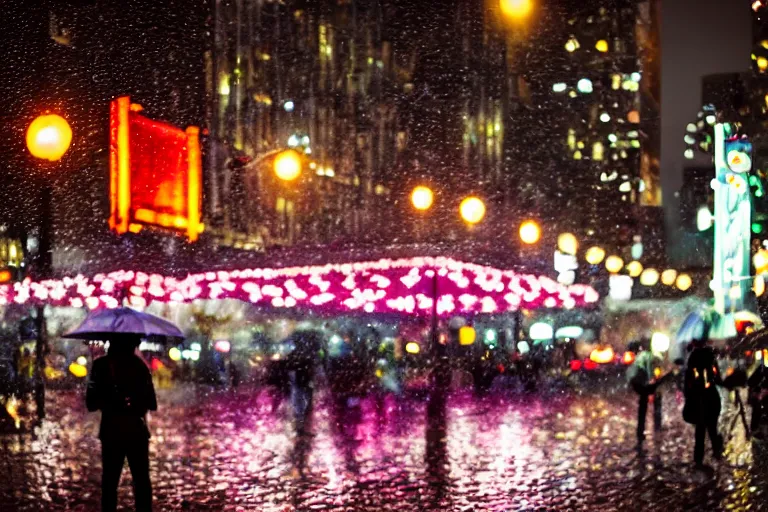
<point>49,137</point>
<point>422,198</point>
<point>530,232</point>
<point>287,165</point>
<point>516,9</point>
<point>472,210</point>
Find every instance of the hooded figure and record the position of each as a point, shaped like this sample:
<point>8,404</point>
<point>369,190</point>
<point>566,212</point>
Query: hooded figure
<point>702,399</point>
<point>121,388</point>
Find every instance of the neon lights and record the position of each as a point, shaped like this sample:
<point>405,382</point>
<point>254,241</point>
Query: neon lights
<point>384,286</point>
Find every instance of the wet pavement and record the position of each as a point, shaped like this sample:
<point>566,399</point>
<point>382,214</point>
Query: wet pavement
<point>238,450</point>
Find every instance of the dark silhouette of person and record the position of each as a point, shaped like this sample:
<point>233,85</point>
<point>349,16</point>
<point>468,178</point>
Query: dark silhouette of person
<point>758,398</point>
<point>121,388</point>
<point>642,379</point>
<point>702,399</point>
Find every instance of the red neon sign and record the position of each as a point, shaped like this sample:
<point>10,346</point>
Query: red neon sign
<point>155,173</point>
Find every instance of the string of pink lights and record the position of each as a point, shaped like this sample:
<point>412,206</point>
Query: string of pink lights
<point>384,286</point>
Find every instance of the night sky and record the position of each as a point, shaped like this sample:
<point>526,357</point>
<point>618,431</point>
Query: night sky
<point>698,38</point>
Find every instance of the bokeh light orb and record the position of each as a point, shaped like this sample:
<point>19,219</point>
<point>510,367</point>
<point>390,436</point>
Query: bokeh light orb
<point>422,198</point>
<point>472,210</point>
<point>49,137</point>
<point>634,268</point>
<point>684,282</point>
<point>288,165</point>
<point>530,232</point>
<point>669,276</point>
<point>649,277</point>
<point>567,243</point>
<point>614,264</point>
<point>516,8</point>
<point>594,255</point>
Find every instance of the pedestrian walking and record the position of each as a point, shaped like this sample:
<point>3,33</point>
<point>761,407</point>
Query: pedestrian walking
<point>121,388</point>
<point>702,399</point>
<point>644,379</point>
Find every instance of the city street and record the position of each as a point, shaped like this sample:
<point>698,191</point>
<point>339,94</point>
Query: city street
<point>226,450</point>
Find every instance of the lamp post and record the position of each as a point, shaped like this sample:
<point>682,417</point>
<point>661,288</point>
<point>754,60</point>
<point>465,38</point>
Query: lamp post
<point>48,138</point>
<point>287,167</point>
<point>422,199</point>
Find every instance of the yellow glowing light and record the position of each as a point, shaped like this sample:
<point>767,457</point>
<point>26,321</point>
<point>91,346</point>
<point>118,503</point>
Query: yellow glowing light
<point>762,63</point>
<point>669,276</point>
<point>288,165</point>
<point>634,268</point>
<point>530,232</point>
<point>594,255</point>
<point>760,260</point>
<point>422,198</point>
<point>684,282</point>
<point>602,46</point>
<point>472,210</point>
<point>649,277</point>
<point>516,8</point>
<point>467,335</point>
<point>78,370</point>
<point>759,286</point>
<point>614,264</point>
<point>412,347</point>
<point>49,137</point>
<point>567,243</point>
<point>175,354</point>
<point>602,356</point>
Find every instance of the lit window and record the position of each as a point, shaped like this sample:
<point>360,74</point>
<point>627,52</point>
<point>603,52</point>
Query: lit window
<point>635,76</point>
<point>616,82</point>
<point>689,139</point>
<point>602,46</point>
<point>625,187</point>
<point>633,134</point>
<point>762,63</point>
<point>605,178</point>
<point>635,144</point>
<point>633,117</point>
<point>691,128</point>
<point>613,138</point>
<point>577,155</point>
<point>559,87</point>
<point>605,117</point>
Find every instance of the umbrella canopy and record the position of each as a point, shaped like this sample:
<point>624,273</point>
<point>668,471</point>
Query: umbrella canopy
<point>107,323</point>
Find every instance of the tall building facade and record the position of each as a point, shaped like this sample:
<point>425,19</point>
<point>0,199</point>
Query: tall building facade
<point>321,79</point>
<point>596,78</point>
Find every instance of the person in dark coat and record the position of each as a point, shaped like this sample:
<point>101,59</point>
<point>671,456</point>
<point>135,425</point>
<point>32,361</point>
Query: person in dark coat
<point>120,386</point>
<point>702,399</point>
<point>758,397</point>
<point>643,381</point>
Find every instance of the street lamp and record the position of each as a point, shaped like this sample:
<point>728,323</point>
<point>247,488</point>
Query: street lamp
<point>530,232</point>
<point>472,210</point>
<point>422,198</point>
<point>48,138</point>
<point>287,165</point>
<point>516,9</point>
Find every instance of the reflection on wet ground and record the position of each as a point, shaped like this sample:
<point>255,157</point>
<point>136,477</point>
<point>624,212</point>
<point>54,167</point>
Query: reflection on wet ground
<point>242,450</point>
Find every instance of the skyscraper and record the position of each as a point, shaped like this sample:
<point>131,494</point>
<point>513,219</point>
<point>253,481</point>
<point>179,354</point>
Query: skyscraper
<point>595,79</point>
<point>321,79</point>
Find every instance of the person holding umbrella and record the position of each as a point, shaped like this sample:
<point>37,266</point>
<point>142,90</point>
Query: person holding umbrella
<point>120,386</point>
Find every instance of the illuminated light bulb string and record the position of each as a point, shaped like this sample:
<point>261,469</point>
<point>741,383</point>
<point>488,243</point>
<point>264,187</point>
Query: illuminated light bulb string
<point>384,286</point>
